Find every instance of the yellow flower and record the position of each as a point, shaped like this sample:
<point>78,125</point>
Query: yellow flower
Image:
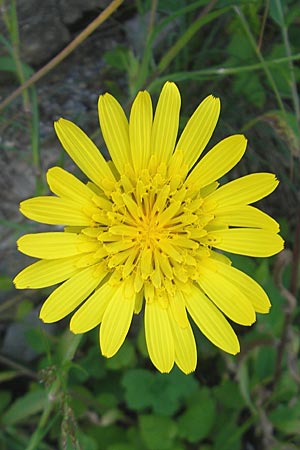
<point>150,225</point>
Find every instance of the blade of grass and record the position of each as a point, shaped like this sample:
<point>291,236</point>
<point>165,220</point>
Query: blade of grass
<point>204,18</point>
<point>11,21</point>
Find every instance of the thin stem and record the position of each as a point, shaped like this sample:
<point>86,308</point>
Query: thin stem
<point>14,365</point>
<point>263,25</point>
<point>285,37</point>
<point>152,16</point>
<point>221,71</point>
<point>55,392</point>
<point>260,57</point>
<point>65,52</point>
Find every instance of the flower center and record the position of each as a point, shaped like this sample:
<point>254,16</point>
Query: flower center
<point>150,230</point>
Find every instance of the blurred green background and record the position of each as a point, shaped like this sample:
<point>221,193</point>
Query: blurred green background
<point>57,393</point>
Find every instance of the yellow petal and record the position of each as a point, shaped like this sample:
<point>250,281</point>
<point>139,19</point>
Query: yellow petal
<point>64,184</point>
<point>211,321</point>
<point>252,290</point>
<point>218,161</point>
<point>83,152</point>
<point>246,216</point>
<point>177,306</point>
<point>244,190</point>
<point>165,123</point>
<point>51,245</point>
<point>227,297</point>
<point>185,346</point>
<point>140,125</point>
<point>116,321</point>
<point>199,130</point>
<point>114,127</point>
<point>246,241</point>
<point>69,295</point>
<point>46,273</point>
<point>159,337</point>
<point>54,211</point>
<point>90,314</point>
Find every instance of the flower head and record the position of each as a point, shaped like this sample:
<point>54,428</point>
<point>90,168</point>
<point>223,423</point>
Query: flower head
<point>148,229</point>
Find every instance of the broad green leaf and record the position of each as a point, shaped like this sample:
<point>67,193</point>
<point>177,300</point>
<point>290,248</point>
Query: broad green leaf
<point>228,395</point>
<point>164,394</point>
<point>137,384</point>
<point>197,421</point>
<point>158,432</point>
<point>92,366</point>
<point>170,391</point>
<point>228,436</point>
<point>125,357</point>
<point>120,446</point>
<point>106,435</point>
<point>286,418</point>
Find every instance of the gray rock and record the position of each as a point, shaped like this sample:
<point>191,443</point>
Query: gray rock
<point>42,32</point>
<point>71,11</point>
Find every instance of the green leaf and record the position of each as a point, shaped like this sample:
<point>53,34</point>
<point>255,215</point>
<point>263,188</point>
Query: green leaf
<point>228,436</point>
<point>244,385</point>
<point>283,73</point>
<point>5,283</point>
<point>67,347</point>
<point>106,435</point>
<point>7,64</point>
<point>107,401</point>
<point>7,375</point>
<point>120,446</point>
<point>250,86</point>
<point>286,418</point>
<point>286,127</point>
<point>24,407</point>
<point>137,393</point>
<point>23,308</point>
<point>276,10</point>
<point>35,339</point>
<point>92,365</point>
<point>286,388</point>
<point>229,396</point>
<point>5,397</point>
<point>157,432</point>
<point>264,363</point>
<point>118,57</point>
<point>197,421</point>
<point>124,358</point>
<point>85,441</point>
<point>170,391</point>
<point>163,393</point>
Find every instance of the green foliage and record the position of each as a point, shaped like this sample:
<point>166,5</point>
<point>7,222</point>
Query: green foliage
<point>24,407</point>
<point>67,396</point>
<point>197,421</point>
<point>162,394</point>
